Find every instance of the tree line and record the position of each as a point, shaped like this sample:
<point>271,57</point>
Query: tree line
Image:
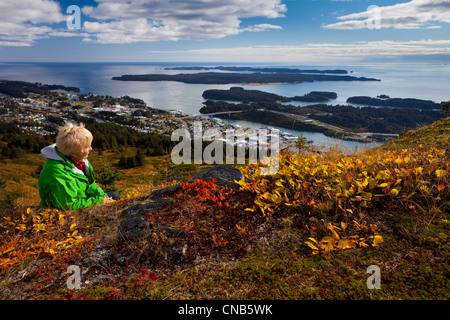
<point>371,119</point>
<point>19,89</point>
<point>15,141</point>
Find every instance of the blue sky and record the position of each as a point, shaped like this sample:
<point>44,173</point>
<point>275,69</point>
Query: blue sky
<point>314,32</point>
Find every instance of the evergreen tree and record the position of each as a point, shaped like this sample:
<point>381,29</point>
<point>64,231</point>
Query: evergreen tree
<point>139,158</point>
<point>123,162</point>
<point>445,107</point>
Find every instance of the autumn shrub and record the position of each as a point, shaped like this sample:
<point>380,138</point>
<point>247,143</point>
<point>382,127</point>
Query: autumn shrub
<point>36,233</point>
<point>211,218</point>
<point>344,191</point>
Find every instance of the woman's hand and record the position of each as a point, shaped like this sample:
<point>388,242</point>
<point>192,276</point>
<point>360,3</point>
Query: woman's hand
<point>108,200</point>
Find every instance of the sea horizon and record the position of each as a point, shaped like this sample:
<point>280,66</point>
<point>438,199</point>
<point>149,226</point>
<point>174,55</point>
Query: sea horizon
<point>403,81</point>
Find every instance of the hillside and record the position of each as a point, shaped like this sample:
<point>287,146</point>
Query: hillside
<point>308,232</point>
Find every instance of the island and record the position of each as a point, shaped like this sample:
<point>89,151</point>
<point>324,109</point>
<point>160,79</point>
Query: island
<point>242,95</point>
<point>340,121</point>
<point>246,96</point>
<point>316,96</point>
<point>239,78</point>
<point>19,89</point>
<point>385,101</point>
<point>265,70</point>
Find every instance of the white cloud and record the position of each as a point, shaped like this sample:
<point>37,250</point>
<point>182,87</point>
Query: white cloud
<point>21,21</point>
<point>415,14</point>
<point>261,27</point>
<point>322,53</point>
<point>162,20</point>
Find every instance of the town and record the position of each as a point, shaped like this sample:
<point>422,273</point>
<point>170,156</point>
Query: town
<point>44,113</point>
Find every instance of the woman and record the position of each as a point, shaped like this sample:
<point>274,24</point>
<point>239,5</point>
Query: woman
<point>67,179</point>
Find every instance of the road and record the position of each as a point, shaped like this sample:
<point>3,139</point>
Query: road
<point>365,136</point>
<point>304,118</point>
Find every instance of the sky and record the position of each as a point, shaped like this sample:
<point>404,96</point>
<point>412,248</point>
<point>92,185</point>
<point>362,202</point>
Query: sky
<point>307,32</point>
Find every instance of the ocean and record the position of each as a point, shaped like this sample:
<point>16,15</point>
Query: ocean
<point>420,81</point>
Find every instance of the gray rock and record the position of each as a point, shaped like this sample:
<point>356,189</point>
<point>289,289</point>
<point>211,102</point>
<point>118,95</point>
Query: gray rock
<point>141,209</point>
<point>224,174</point>
<point>133,225</point>
<point>165,191</point>
<point>134,228</point>
<point>172,232</point>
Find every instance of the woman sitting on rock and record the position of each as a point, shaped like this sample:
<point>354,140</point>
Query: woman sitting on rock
<point>67,178</point>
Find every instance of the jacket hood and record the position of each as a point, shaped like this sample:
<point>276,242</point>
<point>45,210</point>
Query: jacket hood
<point>49,152</point>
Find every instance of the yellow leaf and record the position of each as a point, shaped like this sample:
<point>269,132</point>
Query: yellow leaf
<point>21,227</point>
<point>345,244</point>
<point>362,244</point>
<point>328,247</point>
<point>366,195</point>
<point>383,185</point>
<point>333,232</point>
<point>50,251</point>
<point>377,240</point>
<point>365,182</point>
<point>312,239</point>
<point>311,245</point>
<point>259,203</point>
<point>73,225</point>
<point>343,225</point>
<point>279,183</point>
<point>440,172</point>
<point>394,192</point>
<point>28,210</point>
<point>39,227</point>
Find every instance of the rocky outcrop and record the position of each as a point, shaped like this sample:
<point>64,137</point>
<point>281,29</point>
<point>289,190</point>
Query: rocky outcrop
<point>133,225</point>
<point>224,174</point>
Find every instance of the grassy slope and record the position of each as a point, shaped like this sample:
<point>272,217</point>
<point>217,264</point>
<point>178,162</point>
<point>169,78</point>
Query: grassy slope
<point>413,258</point>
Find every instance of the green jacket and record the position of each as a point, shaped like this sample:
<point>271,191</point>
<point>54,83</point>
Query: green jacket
<point>63,186</point>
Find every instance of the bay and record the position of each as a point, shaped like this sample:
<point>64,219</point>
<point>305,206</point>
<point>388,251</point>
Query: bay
<point>428,82</point>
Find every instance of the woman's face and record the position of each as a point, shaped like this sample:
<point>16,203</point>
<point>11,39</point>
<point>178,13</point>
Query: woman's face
<point>85,151</point>
<point>83,154</point>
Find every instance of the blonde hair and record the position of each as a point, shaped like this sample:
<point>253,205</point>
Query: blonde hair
<point>72,139</point>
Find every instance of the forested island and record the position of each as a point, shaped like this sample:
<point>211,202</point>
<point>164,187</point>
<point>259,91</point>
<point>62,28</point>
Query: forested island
<point>242,95</point>
<point>265,70</point>
<point>316,96</point>
<point>395,102</point>
<point>241,78</point>
<point>19,89</point>
<point>346,118</point>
